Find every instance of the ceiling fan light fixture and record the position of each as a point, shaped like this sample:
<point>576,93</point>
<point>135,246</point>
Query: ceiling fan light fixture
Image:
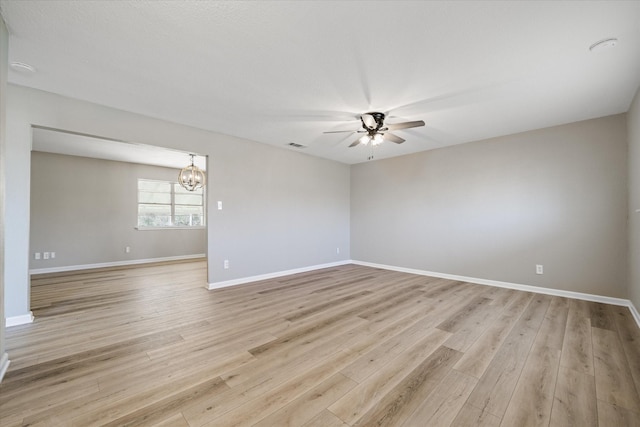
<point>375,131</point>
<point>364,140</point>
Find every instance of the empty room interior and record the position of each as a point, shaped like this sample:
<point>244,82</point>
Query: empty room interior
<point>319,213</point>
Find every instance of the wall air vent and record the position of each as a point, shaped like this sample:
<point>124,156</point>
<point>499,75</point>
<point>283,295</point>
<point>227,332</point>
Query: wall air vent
<point>293,144</point>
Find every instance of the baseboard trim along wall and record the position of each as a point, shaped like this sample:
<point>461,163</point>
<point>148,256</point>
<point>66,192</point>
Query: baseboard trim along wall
<point>23,319</point>
<point>28,318</point>
<point>244,280</point>
<point>516,286</point>
<point>4,365</point>
<point>475,280</point>
<point>112,264</point>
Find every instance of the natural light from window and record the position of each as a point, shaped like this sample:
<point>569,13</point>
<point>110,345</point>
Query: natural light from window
<point>166,204</point>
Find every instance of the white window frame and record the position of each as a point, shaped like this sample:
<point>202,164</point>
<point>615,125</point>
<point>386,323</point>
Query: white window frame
<point>173,185</point>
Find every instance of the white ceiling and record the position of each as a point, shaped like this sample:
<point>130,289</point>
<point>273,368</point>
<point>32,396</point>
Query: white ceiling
<point>281,72</point>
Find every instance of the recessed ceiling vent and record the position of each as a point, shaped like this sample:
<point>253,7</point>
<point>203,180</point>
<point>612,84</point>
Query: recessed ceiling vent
<point>293,144</point>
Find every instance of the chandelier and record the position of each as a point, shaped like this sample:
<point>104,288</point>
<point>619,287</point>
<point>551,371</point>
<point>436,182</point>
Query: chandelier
<point>191,177</point>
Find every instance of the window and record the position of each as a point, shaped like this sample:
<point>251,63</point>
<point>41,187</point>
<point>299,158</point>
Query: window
<point>163,204</point>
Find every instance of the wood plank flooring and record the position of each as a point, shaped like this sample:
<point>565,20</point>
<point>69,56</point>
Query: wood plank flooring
<point>343,346</point>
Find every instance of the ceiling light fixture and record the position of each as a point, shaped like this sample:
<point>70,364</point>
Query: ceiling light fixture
<point>374,139</point>
<point>603,44</point>
<point>376,131</point>
<point>22,67</point>
<point>191,177</point>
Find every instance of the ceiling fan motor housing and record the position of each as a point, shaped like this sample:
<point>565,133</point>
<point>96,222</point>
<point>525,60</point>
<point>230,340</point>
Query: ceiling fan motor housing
<point>379,119</point>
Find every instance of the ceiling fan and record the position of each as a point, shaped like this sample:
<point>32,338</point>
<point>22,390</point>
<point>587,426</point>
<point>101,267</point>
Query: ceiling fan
<point>376,131</point>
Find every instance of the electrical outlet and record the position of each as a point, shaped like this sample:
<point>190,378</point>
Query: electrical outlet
<point>219,205</point>
<point>226,263</point>
<point>539,269</point>
<point>338,251</point>
<point>36,255</point>
<point>53,255</point>
<point>127,249</point>
<point>45,255</point>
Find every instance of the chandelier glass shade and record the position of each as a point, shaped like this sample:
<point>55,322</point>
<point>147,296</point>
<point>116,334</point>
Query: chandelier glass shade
<point>192,177</point>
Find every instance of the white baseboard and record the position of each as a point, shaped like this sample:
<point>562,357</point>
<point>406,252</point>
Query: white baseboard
<point>4,365</point>
<point>244,280</point>
<point>487,282</point>
<point>516,286</point>
<point>19,320</point>
<point>112,264</point>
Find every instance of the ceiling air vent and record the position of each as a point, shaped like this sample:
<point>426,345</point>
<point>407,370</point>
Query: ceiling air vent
<point>293,144</point>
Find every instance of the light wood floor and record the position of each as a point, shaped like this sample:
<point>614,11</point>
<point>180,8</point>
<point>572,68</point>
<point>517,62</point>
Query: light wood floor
<point>345,346</point>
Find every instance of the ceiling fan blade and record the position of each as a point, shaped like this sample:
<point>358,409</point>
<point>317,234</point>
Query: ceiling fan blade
<point>405,125</point>
<point>369,121</point>
<point>344,131</point>
<point>356,142</point>
<point>340,131</point>
<point>393,138</point>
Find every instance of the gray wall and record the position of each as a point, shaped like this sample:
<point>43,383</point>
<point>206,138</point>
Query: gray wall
<point>633,121</point>
<point>493,209</point>
<point>282,209</point>
<point>86,211</point>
